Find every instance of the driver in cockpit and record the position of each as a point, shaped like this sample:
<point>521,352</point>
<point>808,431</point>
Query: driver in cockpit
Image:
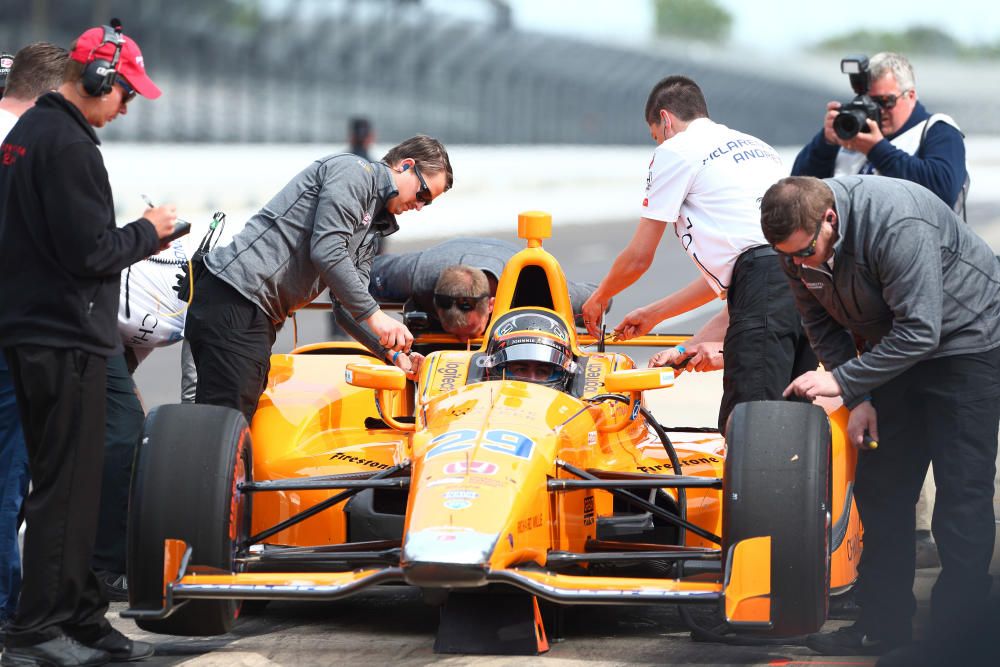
<point>530,346</point>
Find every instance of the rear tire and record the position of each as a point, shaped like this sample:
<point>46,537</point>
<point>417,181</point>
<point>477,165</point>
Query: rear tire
<point>184,486</point>
<point>776,483</point>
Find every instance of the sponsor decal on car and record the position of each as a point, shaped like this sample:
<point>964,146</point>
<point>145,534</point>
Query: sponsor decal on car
<point>461,494</point>
<point>448,375</point>
<point>477,467</point>
<point>588,510</point>
<point>340,456</point>
<point>684,462</point>
<point>445,480</point>
<point>457,504</point>
<point>530,523</point>
<point>499,440</point>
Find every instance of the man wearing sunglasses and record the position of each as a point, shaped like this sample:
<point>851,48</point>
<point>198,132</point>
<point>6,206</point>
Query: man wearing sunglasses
<point>907,143</point>
<point>885,261</point>
<point>318,232</point>
<point>453,282</point>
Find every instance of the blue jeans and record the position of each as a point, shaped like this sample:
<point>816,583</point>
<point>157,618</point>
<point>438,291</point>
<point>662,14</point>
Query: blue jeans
<point>123,428</point>
<point>13,487</point>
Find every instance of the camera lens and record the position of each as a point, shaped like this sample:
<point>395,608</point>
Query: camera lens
<point>848,123</point>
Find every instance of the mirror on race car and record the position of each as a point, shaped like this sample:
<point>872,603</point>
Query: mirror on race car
<point>639,379</point>
<point>373,376</point>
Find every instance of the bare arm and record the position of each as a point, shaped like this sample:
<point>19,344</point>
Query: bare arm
<point>642,320</point>
<point>703,350</point>
<point>628,267</point>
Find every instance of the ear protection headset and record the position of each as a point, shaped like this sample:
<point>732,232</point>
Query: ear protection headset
<point>405,167</point>
<point>99,75</point>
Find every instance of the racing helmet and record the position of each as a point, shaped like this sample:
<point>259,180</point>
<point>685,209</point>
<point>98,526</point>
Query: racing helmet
<point>531,346</point>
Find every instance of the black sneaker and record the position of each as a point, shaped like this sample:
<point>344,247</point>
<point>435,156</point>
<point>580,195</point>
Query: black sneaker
<point>849,640</point>
<point>62,650</point>
<point>115,585</point>
<point>122,649</point>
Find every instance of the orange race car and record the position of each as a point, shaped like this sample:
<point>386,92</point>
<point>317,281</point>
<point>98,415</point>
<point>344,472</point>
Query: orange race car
<point>490,492</point>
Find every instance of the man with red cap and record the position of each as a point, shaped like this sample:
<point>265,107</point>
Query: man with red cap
<point>63,253</point>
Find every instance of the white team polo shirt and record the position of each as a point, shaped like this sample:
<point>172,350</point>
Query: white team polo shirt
<point>709,181</point>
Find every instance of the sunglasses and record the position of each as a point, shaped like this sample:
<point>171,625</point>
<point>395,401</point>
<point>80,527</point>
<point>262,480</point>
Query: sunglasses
<point>888,101</point>
<point>129,91</point>
<point>424,195</point>
<point>465,303</point>
<point>810,249</point>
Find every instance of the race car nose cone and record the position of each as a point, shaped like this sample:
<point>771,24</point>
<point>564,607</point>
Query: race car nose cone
<point>449,558</point>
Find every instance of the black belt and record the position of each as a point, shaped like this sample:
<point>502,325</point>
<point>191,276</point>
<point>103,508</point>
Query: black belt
<point>755,252</point>
<point>758,251</point>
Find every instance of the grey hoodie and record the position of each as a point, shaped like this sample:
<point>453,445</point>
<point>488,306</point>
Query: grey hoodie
<point>411,277</point>
<point>908,277</point>
<point>318,232</point>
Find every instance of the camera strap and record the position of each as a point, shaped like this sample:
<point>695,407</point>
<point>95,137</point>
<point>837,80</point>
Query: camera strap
<point>963,193</point>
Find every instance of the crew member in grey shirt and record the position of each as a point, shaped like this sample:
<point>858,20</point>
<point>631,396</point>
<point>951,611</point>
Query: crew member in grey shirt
<point>319,232</point>
<point>413,279</point>
<point>885,262</point>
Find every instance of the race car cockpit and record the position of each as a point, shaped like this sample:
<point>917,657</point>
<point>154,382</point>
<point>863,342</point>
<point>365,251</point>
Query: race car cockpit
<point>529,345</point>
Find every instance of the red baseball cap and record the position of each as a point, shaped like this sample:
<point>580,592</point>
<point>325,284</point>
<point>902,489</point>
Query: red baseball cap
<point>130,63</point>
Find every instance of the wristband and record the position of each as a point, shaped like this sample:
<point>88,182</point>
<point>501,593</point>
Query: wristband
<point>394,356</point>
<point>679,349</point>
<point>866,397</point>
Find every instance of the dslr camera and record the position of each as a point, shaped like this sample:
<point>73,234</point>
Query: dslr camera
<point>854,115</point>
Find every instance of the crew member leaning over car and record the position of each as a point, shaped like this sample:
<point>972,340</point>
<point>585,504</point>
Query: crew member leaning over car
<point>318,232</point>
<point>453,282</point>
<point>886,261</point>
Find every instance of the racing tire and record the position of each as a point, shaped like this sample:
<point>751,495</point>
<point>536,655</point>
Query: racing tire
<point>185,486</point>
<point>777,483</point>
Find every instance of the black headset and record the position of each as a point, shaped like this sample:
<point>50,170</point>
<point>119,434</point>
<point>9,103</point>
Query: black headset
<point>99,75</point>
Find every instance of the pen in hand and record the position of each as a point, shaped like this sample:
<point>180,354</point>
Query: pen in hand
<point>181,227</point>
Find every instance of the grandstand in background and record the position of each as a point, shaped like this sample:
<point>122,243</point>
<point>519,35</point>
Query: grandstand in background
<point>297,76</point>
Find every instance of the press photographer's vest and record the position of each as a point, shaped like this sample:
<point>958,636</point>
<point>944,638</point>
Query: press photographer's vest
<point>851,162</point>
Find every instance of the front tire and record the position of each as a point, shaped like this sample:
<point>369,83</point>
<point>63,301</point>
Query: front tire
<point>776,484</point>
<point>185,485</point>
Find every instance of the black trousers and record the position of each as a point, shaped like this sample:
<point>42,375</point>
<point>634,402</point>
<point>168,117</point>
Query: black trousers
<point>765,346</point>
<point>61,398</point>
<point>231,340</point>
<point>123,428</point>
<point>946,411</point>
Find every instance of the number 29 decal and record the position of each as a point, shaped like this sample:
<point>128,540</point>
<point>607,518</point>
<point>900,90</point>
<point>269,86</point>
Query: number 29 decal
<point>499,440</point>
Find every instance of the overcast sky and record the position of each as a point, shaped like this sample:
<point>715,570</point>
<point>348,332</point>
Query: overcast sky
<point>766,25</point>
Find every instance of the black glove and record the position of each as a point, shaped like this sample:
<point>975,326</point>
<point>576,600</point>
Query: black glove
<point>183,286</point>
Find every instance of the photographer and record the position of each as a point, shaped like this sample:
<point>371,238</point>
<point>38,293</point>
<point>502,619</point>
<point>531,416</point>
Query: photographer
<point>907,142</point>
